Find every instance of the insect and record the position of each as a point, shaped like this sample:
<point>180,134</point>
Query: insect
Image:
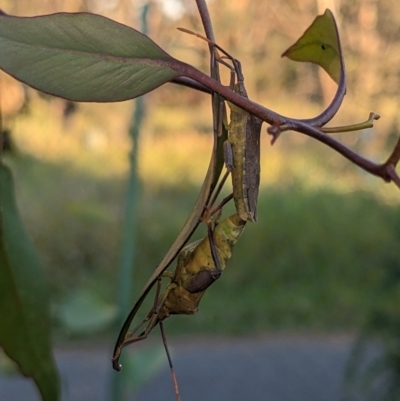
<point>243,147</point>
<point>195,271</point>
<point>200,263</point>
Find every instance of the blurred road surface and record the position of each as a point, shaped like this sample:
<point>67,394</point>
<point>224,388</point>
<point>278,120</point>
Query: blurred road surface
<point>289,368</point>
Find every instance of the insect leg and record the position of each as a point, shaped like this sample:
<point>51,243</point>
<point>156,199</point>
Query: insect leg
<point>221,204</point>
<point>229,165</point>
<point>152,312</point>
<point>211,211</point>
<point>129,339</point>
<point>213,248</point>
<point>228,158</point>
<point>215,196</point>
<point>171,367</point>
<point>151,318</point>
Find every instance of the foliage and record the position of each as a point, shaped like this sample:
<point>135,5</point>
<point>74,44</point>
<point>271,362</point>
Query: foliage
<point>328,268</point>
<point>107,62</point>
<point>24,307</point>
<point>377,376</point>
<point>320,45</point>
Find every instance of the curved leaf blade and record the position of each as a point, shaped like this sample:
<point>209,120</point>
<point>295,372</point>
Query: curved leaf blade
<point>82,57</point>
<point>320,45</point>
<point>24,303</point>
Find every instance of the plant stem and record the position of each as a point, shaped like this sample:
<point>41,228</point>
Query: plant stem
<point>205,19</point>
<point>305,127</point>
<point>127,257</point>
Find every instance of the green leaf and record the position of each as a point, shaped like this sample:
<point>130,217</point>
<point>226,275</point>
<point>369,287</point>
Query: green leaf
<point>142,365</point>
<point>84,312</point>
<point>82,57</point>
<point>24,301</point>
<point>320,44</point>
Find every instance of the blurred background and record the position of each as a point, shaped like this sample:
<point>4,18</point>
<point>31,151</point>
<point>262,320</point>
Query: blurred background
<point>323,258</point>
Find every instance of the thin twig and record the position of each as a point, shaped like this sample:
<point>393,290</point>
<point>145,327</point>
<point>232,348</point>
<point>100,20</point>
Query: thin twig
<point>278,120</point>
<point>393,175</point>
<point>367,165</point>
<point>395,156</point>
<point>310,127</point>
<point>190,83</point>
<point>205,19</point>
<point>369,123</point>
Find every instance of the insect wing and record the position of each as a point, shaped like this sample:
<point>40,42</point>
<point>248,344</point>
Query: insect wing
<point>244,137</point>
<point>252,164</point>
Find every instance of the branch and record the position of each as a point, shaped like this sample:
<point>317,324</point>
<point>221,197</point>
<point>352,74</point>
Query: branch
<point>395,156</point>
<point>333,108</point>
<point>391,164</point>
<point>277,121</point>
<point>391,171</point>
<point>369,123</point>
<point>205,19</point>
<point>190,83</point>
<point>348,153</point>
<point>386,170</point>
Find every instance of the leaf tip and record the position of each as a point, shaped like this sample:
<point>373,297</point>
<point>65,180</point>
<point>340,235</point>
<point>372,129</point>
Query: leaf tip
<point>320,44</point>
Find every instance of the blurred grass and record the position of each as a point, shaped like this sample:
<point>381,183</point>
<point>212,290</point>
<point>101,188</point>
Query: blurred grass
<point>311,263</point>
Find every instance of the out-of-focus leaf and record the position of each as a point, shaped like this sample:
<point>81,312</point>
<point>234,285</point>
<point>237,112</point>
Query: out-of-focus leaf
<point>24,301</point>
<point>82,57</point>
<point>142,365</point>
<point>319,44</point>
<point>83,312</point>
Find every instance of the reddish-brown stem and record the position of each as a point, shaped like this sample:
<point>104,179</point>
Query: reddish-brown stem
<point>367,165</point>
<point>205,19</point>
<point>310,127</point>
<point>190,83</point>
<point>276,119</point>
<point>391,171</point>
<point>395,156</point>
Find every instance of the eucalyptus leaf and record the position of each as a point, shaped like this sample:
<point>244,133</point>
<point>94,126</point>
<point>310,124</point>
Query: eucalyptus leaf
<point>24,300</point>
<point>320,45</point>
<point>82,57</point>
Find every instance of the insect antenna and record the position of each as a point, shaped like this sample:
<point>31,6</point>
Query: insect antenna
<point>236,69</point>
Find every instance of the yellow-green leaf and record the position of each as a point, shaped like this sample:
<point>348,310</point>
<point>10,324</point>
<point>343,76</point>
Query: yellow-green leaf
<point>320,45</point>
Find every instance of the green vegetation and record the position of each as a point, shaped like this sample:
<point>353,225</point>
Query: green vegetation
<point>322,257</point>
<point>313,262</point>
